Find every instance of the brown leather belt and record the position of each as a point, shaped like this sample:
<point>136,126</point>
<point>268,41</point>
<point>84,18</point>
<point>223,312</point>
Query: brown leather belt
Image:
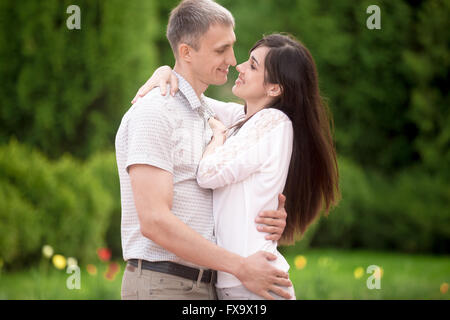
<point>175,269</point>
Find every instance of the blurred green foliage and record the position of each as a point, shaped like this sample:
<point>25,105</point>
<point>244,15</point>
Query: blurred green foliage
<point>63,93</point>
<point>427,69</point>
<point>63,203</point>
<point>407,212</point>
<point>66,90</point>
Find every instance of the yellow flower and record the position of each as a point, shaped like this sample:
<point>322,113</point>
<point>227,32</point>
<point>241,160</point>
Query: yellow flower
<point>91,269</point>
<point>444,288</point>
<point>300,262</point>
<point>358,273</point>
<point>47,251</point>
<point>59,261</point>
<point>71,261</point>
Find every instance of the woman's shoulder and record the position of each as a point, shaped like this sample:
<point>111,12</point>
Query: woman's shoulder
<point>270,117</point>
<point>264,121</point>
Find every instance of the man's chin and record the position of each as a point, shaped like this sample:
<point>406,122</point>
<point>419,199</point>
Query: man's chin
<point>220,81</point>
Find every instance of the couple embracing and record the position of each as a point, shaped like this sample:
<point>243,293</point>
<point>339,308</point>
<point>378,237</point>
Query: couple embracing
<point>202,181</point>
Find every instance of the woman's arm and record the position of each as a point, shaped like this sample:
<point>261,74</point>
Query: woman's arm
<point>245,153</point>
<point>227,112</point>
<point>160,78</point>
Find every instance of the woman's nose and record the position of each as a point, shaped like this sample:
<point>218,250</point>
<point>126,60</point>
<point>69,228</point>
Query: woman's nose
<point>239,68</point>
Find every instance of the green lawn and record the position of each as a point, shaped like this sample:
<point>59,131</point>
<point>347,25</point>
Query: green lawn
<point>327,274</point>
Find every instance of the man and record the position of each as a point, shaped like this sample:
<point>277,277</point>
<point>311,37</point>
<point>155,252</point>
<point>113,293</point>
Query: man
<point>167,222</point>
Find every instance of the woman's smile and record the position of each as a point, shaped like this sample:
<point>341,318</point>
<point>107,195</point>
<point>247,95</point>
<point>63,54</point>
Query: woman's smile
<point>239,80</point>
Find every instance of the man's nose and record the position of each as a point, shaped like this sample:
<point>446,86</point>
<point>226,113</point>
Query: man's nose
<point>231,59</point>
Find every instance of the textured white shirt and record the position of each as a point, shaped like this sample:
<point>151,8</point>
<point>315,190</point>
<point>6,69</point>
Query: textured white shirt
<point>169,133</point>
<point>247,173</point>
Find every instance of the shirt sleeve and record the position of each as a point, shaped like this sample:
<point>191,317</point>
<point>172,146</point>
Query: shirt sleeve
<point>227,112</point>
<point>247,151</point>
<point>150,136</point>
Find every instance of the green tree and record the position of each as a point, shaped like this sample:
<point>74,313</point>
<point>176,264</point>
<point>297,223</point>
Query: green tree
<point>66,90</point>
<point>428,64</point>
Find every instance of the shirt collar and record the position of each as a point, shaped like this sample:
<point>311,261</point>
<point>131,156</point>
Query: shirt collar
<point>187,90</point>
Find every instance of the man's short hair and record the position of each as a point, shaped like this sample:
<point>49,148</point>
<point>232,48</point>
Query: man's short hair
<point>191,19</point>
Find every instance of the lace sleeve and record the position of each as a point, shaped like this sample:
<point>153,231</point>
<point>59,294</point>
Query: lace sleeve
<point>245,152</point>
<point>227,112</point>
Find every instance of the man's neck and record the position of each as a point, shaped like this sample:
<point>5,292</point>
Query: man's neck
<point>198,86</point>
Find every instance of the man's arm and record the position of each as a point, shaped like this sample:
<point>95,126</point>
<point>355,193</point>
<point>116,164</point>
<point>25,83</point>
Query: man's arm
<point>153,190</point>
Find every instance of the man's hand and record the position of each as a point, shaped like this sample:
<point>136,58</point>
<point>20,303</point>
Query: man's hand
<point>273,222</point>
<point>161,77</point>
<point>260,277</point>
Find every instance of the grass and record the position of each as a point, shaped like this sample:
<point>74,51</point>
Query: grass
<point>330,274</point>
<point>48,283</point>
<point>326,274</point>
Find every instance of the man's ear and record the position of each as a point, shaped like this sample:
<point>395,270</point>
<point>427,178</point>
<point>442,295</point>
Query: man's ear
<point>184,52</point>
<point>274,90</point>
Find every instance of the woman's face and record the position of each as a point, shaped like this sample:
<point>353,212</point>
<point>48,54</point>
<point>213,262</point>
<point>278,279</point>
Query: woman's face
<point>250,83</point>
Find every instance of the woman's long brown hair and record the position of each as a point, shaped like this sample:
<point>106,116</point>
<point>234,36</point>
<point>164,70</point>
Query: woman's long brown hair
<point>312,183</point>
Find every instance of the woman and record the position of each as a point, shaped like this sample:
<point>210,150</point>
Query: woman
<point>279,142</point>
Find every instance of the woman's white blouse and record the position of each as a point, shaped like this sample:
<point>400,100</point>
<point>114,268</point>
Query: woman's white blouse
<point>247,173</point>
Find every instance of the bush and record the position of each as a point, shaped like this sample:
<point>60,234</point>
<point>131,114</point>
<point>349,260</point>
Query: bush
<point>405,212</point>
<point>339,227</point>
<point>103,167</point>
<point>18,219</point>
<point>60,203</point>
<point>409,213</point>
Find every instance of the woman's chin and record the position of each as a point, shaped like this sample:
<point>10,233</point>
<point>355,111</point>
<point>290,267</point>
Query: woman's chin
<point>235,90</point>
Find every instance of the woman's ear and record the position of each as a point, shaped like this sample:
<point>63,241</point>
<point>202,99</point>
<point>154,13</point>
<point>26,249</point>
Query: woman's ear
<point>274,90</point>
<point>184,52</point>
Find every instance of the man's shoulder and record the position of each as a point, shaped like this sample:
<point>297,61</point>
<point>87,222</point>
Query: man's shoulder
<point>151,106</point>
<point>154,100</point>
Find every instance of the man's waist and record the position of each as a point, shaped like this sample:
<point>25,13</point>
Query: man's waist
<point>176,269</point>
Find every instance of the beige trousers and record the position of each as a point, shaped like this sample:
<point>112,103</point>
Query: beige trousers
<point>141,284</point>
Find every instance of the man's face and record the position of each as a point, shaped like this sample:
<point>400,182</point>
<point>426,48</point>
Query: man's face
<point>211,62</point>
